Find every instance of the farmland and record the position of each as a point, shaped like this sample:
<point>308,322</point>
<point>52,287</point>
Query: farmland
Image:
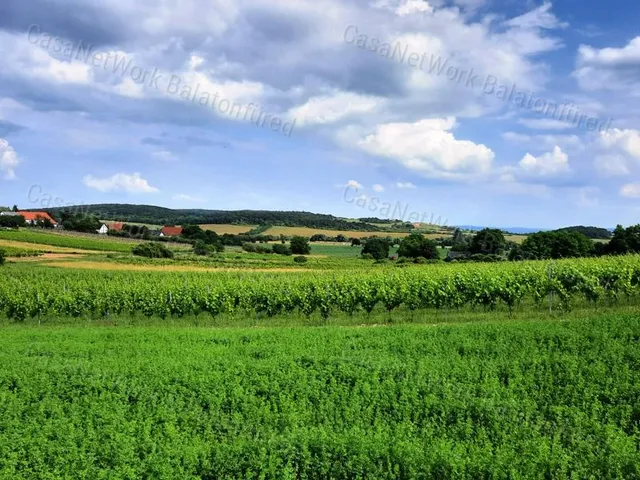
<point>402,402</point>
<point>246,365</point>
<point>308,232</point>
<point>221,229</point>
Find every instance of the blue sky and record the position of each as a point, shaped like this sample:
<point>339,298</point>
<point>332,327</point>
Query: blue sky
<point>325,105</point>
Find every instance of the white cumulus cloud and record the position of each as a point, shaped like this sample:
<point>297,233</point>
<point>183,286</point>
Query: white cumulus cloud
<point>9,160</point>
<point>131,183</point>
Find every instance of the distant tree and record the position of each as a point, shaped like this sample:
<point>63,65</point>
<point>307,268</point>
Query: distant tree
<point>356,242</point>
<point>341,238</point>
<point>12,221</point>
<point>201,248</point>
<point>416,245</point>
<point>553,245</point>
<point>152,250</point>
<point>280,249</point>
<point>2,255</point>
<point>15,208</point>
<point>300,246</point>
<point>378,248</point>
<point>624,240</point>
<point>80,222</point>
<point>488,241</point>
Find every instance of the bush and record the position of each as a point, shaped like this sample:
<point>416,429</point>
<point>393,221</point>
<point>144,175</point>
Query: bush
<point>417,246</point>
<point>300,245</point>
<point>300,259</point>
<point>367,256</point>
<point>1,257</point>
<point>152,250</point>
<point>420,260</point>
<point>378,248</point>
<point>281,249</point>
<point>201,248</point>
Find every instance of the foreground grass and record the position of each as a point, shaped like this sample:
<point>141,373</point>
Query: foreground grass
<point>544,399</point>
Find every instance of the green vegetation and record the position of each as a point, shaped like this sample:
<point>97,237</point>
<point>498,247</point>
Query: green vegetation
<point>300,246</point>
<point>553,245</point>
<point>12,221</point>
<point>2,256</point>
<point>148,214</point>
<point>376,248</point>
<point>416,246</point>
<point>526,400</point>
<point>594,233</point>
<point>63,240</point>
<point>152,250</point>
<point>300,259</point>
<point>27,292</point>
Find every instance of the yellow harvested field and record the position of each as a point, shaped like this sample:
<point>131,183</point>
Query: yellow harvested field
<point>46,256</point>
<point>89,265</point>
<point>222,228</point>
<point>515,238</point>
<point>308,232</point>
<point>36,247</point>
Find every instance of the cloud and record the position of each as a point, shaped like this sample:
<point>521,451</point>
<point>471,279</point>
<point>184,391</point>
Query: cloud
<point>334,107</point>
<point>428,148</point>
<point>164,156</point>
<point>9,160</point>
<point>378,188</point>
<point>544,141</point>
<point>548,164</point>
<point>405,185</point>
<point>630,190</point>
<point>354,184</point>
<point>183,197</point>
<point>611,165</point>
<point>627,141</point>
<point>609,68</point>
<point>131,183</point>
<point>545,124</point>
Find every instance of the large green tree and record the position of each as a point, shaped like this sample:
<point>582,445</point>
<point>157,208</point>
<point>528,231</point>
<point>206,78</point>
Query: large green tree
<point>300,246</point>
<point>489,241</point>
<point>416,245</point>
<point>378,248</point>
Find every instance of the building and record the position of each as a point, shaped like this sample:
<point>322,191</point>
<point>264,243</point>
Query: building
<point>9,214</point>
<point>32,218</point>
<point>115,226</point>
<point>170,231</point>
<point>103,229</point>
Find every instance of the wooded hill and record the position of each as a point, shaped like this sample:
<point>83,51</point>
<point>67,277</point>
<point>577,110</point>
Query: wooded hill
<point>150,214</point>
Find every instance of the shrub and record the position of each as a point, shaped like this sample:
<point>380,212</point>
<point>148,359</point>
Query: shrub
<point>1,257</point>
<point>300,259</point>
<point>378,248</point>
<point>420,260</point>
<point>367,256</point>
<point>152,250</point>
<point>300,245</point>
<point>417,246</point>
<point>281,249</point>
<point>201,248</point>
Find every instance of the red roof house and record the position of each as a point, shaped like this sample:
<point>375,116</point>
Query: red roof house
<point>117,226</point>
<point>171,231</point>
<point>33,217</point>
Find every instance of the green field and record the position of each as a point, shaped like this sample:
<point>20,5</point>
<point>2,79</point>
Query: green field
<point>69,241</point>
<point>531,400</point>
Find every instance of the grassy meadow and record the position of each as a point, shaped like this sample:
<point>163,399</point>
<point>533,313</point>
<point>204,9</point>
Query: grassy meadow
<point>536,399</point>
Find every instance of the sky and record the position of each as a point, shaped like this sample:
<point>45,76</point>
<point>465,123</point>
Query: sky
<point>464,112</point>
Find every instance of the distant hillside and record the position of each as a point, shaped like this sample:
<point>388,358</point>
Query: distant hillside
<point>594,233</point>
<point>150,214</point>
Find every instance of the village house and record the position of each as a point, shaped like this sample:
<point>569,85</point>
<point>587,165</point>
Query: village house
<point>170,231</point>
<point>32,218</point>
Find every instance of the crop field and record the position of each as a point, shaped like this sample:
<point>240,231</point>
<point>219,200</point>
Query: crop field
<point>308,232</point>
<point>29,292</point>
<point>537,399</point>
<point>221,229</point>
<point>65,241</point>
